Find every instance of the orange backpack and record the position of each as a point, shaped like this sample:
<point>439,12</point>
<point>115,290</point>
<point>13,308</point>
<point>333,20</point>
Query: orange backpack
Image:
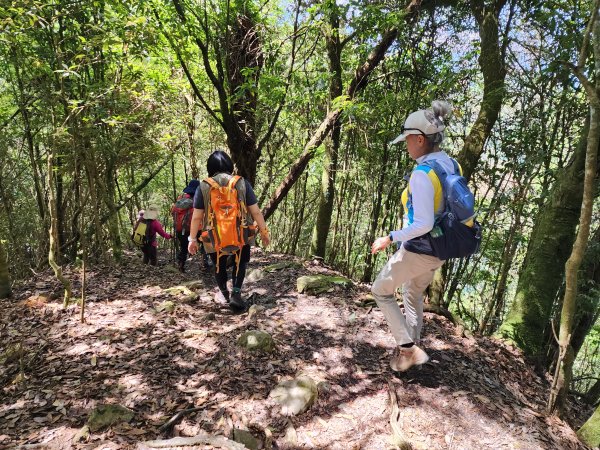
<point>227,228</point>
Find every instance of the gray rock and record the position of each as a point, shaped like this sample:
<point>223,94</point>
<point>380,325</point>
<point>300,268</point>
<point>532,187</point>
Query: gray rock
<point>256,340</point>
<point>295,396</point>
<point>256,275</point>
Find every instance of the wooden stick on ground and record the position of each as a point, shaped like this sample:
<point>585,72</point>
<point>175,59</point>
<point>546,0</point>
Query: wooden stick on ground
<point>180,415</point>
<point>397,434</point>
<point>200,439</point>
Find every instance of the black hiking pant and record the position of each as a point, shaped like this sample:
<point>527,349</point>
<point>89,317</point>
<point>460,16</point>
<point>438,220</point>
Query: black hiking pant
<point>149,254</point>
<point>182,256</point>
<point>221,275</point>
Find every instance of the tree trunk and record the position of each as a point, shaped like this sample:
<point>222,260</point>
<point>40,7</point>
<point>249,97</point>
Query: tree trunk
<point>589,433</point>
<point>325,208</point>
<point>5,289</point>
<point>549,247</point>
<point>53,232</point>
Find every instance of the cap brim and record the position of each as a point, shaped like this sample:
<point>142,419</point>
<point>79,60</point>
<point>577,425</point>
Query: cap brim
<point>400,138</point>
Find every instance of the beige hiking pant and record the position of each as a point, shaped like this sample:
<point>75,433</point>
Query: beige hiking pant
<point>414,272</point>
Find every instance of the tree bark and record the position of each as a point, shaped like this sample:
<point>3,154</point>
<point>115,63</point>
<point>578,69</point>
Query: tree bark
<point>564,367</point>
<point>325,208</point>
<point>589,433</point>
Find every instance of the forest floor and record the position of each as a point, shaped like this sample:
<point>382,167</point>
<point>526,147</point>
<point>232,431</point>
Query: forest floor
<point>138,351</point>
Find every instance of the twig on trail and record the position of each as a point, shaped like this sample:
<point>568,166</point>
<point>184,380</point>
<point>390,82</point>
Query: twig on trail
<point>200,439</point>
<point>397,434</point>
<point>180,415</point>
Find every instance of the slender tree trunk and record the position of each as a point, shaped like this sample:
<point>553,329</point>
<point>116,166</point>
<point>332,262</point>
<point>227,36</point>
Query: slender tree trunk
<point>5,288</point>
<point>564,374</point>
<point>53,232</point>
<point>325,209</point>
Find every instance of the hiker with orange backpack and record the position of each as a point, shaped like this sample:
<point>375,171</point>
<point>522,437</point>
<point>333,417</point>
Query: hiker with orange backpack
<point>182,211</point>
<point>225,208</point>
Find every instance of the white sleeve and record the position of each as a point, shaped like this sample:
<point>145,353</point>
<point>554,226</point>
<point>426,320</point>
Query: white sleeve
<point>422,203</point>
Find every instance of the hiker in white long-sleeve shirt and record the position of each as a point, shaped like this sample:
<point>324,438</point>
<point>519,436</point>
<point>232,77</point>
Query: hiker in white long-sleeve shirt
<point>423,201</point>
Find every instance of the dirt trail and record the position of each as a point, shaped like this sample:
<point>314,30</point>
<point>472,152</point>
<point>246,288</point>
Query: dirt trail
<point>160,353</point>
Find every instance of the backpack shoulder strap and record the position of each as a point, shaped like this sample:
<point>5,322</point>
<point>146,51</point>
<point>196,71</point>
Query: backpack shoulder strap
<point>233,181</point>
<point>212,183</point>
<point>457,168</point>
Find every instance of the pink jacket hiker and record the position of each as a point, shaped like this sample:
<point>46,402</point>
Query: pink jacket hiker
<point>156,227</point>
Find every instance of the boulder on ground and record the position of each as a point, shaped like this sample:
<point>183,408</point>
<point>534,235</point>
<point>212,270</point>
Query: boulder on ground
<point>246,438</point>
<point>295,396</point>
<point>316,284</point>
<point>256,340</point>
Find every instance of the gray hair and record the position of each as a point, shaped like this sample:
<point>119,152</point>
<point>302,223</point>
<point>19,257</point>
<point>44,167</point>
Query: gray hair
<point>439,110</point>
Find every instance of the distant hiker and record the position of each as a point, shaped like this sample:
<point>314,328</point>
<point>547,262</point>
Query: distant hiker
<point>414,264</point>
<point>182,211</point>
<point>144,233</point>
<point>228,226</point>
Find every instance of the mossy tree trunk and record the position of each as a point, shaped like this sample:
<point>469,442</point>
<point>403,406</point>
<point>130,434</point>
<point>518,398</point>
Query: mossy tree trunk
<point>564,367</point>
<point>589,433</point>
<point>542,272</point>
<point>325,209</point>
<point>5,289</point>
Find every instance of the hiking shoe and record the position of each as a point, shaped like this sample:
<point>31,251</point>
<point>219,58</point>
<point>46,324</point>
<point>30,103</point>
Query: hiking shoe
<point>404,358</point>
<point>237,303</point>
<point>181,266</point>
<point>222,297</point>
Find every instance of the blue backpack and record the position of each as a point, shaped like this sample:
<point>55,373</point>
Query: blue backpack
<point>451,237</point>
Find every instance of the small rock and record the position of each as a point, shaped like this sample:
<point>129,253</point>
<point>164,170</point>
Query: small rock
<point>324,387</point>
<point>256,340</point>
<point>195,284</point>
<point>107,415</point>
<point>246,438</point>
<point>209,317</point>
<point>255,310</point>
<point>166,306</point>
<point>295,396</point>
<point>192,333</point>
<point>188,299</point>
<point>256,275</point>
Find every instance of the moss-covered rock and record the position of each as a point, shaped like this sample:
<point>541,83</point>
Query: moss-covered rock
<point>166,306</point>
<point>316,284</point>
<point>106,415</point>
<point>256,340</point>
<point>246,438</point>
<point>282,265</point>
<point>179,290</point>
<point>295,396</point>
